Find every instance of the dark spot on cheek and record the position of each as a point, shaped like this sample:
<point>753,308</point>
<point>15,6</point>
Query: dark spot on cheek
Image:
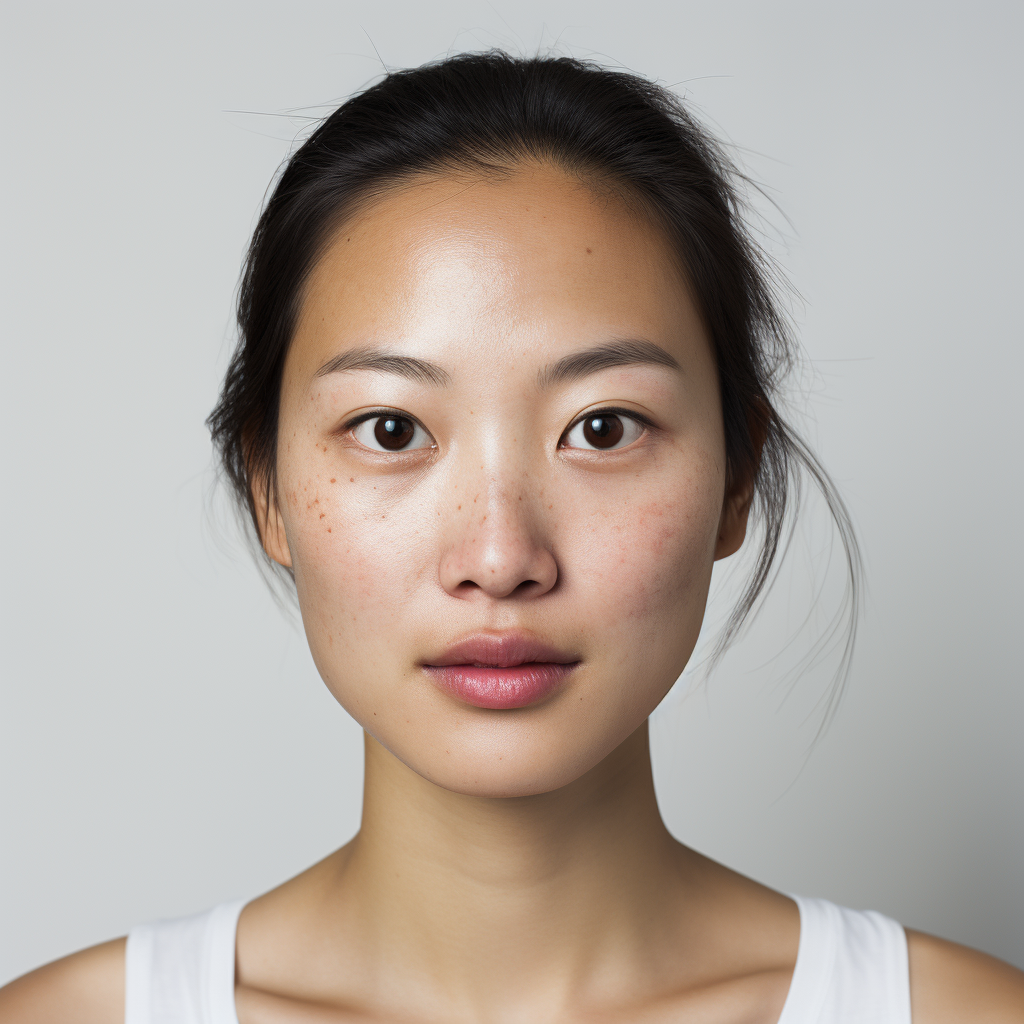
<point>328,529</point>
<point>334,480</point>
<point>588,250</point>
<point>351,479</point>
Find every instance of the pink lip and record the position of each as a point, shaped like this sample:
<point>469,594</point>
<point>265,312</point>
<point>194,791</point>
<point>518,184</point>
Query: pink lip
<point>508,670</point>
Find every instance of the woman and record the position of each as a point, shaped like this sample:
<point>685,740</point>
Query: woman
<point>504,393</point>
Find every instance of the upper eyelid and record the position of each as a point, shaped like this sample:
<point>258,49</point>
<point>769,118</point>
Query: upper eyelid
<point>612,411</point>
<point>373,414</point>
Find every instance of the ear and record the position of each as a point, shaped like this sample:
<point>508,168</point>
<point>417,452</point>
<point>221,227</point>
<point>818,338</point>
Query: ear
<point>271,523</point>
<point>732,527</point>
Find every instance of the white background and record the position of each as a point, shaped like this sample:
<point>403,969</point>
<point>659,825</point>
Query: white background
<point>165,742</point>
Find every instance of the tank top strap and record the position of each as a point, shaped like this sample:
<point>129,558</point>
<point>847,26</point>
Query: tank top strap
<point>851,967</point>
<point>182,971</point>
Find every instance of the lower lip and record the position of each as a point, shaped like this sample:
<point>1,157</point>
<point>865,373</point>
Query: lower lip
<point>500,688</point>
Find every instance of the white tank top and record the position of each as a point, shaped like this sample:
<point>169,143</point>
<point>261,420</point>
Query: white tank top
<point>851,968</point>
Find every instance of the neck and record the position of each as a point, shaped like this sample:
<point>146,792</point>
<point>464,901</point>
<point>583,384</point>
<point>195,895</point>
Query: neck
<point>480,893</point>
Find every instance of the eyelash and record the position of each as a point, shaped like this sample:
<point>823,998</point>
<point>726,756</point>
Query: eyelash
<point>589,414</point>
<point>376,414</point>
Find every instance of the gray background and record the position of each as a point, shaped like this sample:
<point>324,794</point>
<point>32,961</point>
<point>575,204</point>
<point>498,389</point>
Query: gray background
<point>165,742</point>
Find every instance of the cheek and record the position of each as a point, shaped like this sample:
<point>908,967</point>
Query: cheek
<point>356,564</point>
<point>645,568</point>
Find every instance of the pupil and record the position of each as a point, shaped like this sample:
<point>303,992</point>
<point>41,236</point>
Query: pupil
<point>603,431</point>
<point>393,432</point>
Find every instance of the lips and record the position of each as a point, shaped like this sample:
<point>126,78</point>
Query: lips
<point>500,671</point>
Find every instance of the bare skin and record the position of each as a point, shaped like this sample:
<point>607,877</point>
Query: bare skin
<point>512,864</point>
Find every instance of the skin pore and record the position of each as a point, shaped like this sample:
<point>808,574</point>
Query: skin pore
<point>512,865</point>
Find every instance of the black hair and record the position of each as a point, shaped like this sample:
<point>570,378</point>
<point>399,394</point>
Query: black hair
<point>612,128</point>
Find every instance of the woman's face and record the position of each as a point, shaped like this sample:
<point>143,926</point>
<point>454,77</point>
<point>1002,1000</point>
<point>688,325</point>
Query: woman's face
<point>501,475</point>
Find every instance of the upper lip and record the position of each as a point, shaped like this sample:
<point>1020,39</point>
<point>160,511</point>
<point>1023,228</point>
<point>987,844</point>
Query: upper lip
<point>501,650</point>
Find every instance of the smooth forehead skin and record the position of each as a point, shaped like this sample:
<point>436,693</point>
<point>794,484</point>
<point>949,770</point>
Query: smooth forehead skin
<point>495,526</point>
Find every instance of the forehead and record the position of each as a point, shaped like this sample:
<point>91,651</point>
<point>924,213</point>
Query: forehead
<point>523,262</point>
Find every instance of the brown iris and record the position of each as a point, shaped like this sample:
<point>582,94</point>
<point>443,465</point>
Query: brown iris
<point>603,431</point>
<point>393,432</point>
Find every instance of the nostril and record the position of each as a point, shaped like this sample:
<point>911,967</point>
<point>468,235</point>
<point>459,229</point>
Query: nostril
<point>525,586</point>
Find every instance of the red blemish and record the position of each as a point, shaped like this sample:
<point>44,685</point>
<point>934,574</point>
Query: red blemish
<point>334,480</point>
<point>328,529</point>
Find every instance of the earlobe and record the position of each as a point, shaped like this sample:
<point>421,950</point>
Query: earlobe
<point>271,527</point>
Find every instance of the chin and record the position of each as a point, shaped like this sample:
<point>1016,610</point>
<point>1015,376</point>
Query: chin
<point>507,755</point>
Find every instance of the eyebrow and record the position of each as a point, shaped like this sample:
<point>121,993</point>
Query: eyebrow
<point>627,352</point>
<point>575,366</point>
<point>421,370</point>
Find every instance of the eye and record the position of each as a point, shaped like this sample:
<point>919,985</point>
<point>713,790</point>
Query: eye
<point>604,430</point>
<point>390,432</point>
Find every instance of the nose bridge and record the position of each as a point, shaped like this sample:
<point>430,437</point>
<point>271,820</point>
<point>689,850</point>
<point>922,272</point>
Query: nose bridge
<point>497,541</point>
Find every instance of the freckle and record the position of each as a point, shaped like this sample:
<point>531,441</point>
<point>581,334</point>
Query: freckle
<point>328,529</point>
<point>551,506</point>
<point>322,514</point>
<point>351,479</point>
<point>334,479</point>
<point>459,509</point>
<point>588,250</point>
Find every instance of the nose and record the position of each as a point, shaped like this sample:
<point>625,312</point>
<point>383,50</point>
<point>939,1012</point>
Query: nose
<point>497,543</point>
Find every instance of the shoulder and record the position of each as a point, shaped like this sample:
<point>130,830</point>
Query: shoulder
<point>950,984</point>
<point>86,987</point>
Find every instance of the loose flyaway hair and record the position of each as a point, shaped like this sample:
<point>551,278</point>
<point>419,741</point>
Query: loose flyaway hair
<point>621,134</point>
